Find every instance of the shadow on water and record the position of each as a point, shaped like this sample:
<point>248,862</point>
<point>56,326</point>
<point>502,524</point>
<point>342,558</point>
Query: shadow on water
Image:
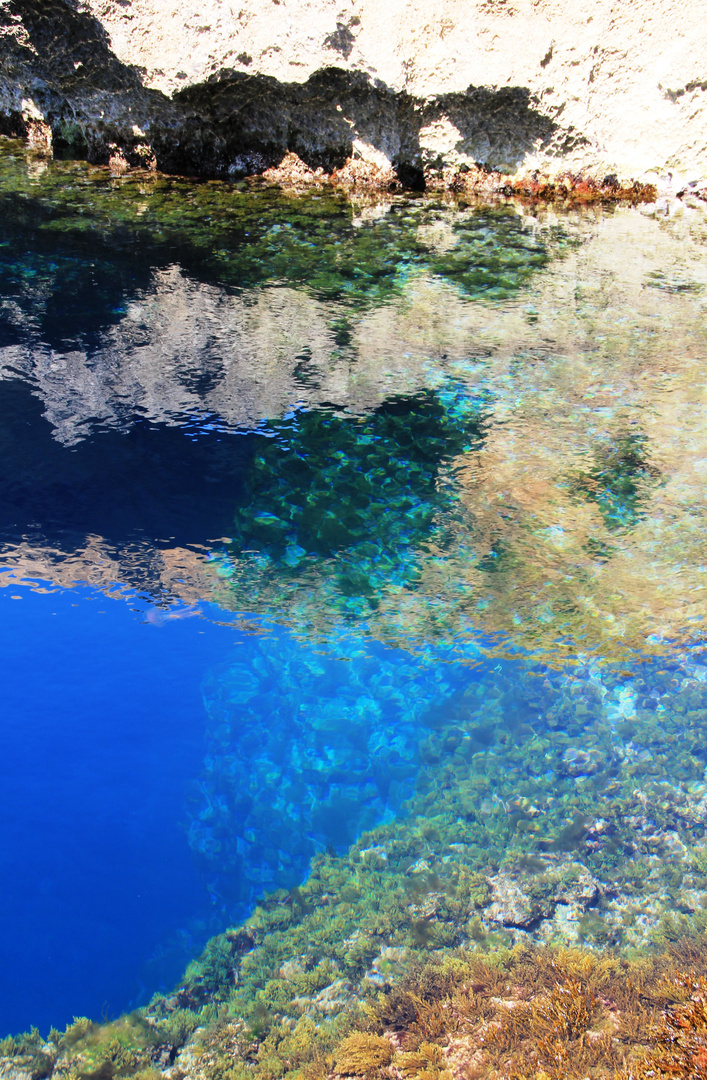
<point>152,487</point>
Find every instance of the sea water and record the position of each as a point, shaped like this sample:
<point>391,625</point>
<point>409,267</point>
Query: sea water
<point>317,513</point>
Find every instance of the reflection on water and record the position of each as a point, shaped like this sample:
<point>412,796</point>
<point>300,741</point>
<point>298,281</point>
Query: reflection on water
<point>572,514</point>
<point>444,466</point>
<point>165,300</point>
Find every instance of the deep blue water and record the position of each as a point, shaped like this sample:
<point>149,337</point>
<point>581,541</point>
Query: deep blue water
<point>103,728</point>
<point>161,769</point>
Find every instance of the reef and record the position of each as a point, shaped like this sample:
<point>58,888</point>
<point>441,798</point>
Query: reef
<point>537,909</point>
<point>574,801</point>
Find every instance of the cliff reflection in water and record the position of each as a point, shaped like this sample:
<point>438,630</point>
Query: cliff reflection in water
<point>217,343</point>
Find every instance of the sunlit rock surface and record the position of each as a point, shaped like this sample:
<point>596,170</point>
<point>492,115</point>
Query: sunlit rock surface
<point>510,85</point>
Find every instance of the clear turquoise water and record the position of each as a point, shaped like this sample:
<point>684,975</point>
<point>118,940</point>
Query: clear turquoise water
<point>308,508</point>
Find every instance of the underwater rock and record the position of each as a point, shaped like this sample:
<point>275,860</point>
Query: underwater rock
<point>521,899</point>
<point>614,862</point>
<point>333,999</point>
<point>305,751</point>
<point>388,966</point>
<point>578,762</point>
<point>16,1069</point>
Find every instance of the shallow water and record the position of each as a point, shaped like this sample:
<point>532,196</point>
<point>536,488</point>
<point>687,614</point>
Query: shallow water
<point>314,515</point>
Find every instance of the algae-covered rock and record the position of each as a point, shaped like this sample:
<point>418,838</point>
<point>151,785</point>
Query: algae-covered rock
<point>522,899</point>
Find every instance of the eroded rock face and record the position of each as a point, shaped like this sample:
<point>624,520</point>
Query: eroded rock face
<point>402,92</point>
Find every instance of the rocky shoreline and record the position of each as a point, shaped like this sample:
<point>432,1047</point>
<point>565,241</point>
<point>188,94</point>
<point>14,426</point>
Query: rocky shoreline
<point>356,177</point>
<point>540,101</point>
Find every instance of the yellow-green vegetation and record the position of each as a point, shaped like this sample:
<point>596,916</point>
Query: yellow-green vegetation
<point>30,1052</point>
<point>362,1053</point>
<point>410,936</point>
<point>526,1013</point>
<point>421,933</point>
<point>558,1014</point>
<point>118,1048</point>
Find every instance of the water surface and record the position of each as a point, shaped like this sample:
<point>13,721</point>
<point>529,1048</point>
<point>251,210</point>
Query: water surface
<point>313,508</point>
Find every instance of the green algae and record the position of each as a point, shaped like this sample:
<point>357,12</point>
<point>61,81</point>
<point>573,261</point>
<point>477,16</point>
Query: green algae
<point>82,225</point>
<point>388,498</point>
